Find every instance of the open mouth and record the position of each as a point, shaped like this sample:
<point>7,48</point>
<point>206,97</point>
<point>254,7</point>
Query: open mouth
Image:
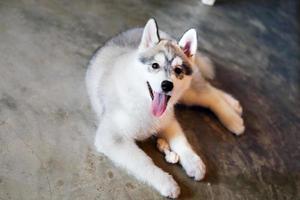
<point>159,101</point>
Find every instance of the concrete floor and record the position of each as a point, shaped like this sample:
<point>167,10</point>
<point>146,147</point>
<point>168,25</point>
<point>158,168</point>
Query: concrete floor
<point>47,126</point>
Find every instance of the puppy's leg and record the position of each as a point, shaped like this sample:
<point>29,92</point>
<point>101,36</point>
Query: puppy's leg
<point>163,146</point>
<point>235,104</point>
<point>222,104</point>
<point>125,153</point>
<point>190,161</point>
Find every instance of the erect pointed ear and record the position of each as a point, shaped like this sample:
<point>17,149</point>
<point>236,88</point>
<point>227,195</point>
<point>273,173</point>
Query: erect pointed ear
<point>188,42</point>
<point>150,35</point>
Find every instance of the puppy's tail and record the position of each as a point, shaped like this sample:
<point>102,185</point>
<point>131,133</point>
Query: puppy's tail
<point>205,66</point>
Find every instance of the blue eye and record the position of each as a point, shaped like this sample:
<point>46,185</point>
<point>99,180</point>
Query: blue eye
<point>155,65</point>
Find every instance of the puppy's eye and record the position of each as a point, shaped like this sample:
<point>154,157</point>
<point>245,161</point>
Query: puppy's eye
<point>178,70</point>
<point>155,65</point>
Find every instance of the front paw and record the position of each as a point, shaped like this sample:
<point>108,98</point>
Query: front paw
<point>168,187</point>
<point>193,165</point>
<point>172,157</point>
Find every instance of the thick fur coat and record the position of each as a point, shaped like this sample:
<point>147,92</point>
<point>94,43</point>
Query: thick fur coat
<point>133,82</point>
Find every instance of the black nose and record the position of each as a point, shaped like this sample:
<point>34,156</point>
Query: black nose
<point>166,86</point>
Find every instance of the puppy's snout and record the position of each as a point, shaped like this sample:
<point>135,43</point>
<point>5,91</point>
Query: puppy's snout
<point>166,86</point>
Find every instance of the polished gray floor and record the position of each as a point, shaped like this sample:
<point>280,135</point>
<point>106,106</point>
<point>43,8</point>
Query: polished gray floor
<point>47,126</point>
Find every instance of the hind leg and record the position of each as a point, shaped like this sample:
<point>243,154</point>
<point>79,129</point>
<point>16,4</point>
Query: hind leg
<point>235,104</point>
<point>227,108</point>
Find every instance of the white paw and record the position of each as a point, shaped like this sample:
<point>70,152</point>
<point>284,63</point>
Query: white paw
<point>234,104</point>
<point>172,157</point>
<point>193,165</point>
<point>169,187</point>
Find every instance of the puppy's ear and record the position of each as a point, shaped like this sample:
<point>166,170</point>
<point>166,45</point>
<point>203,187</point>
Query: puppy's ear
<point>150,35</point>
<point>188,42</point>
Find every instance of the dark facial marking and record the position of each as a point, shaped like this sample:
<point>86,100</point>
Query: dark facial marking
<point>170,52</point>
<point>187,69</point>
<point>146,60</point>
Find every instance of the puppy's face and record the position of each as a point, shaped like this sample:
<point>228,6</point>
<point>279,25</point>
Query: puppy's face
<point>167,67</point>
<point>168,72</point>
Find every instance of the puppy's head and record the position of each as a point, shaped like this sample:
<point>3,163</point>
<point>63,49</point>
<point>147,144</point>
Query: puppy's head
<point>167,65</point>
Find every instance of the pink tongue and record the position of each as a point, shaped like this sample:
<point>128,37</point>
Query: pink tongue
<point>159,104</point>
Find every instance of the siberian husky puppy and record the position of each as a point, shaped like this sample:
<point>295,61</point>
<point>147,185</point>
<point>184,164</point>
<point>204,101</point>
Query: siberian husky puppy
<point>133,82</point>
